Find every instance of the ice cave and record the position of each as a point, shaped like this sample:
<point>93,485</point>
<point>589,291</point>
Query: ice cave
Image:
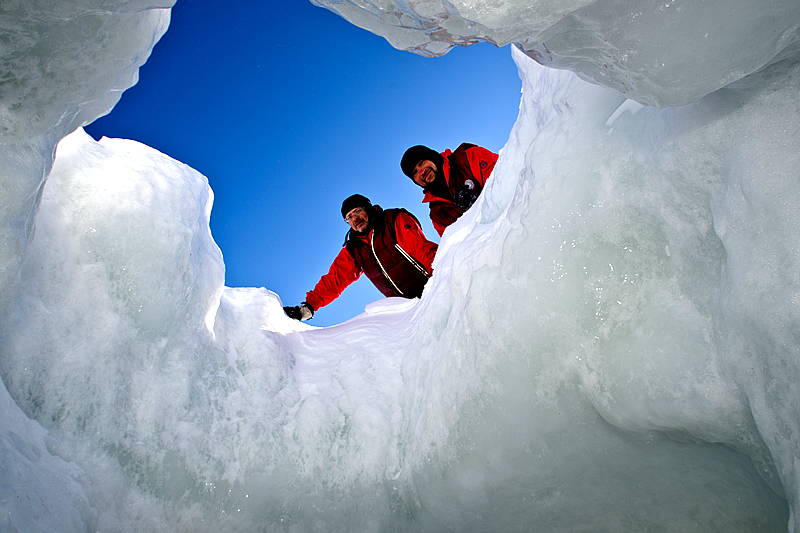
<point>645,208</point>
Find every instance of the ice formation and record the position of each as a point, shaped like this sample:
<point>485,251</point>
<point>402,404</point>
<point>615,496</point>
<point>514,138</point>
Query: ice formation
<point>648,50</point>
<point>609,343</point>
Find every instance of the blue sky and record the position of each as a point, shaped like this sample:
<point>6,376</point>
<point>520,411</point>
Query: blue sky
<point>290,109</point>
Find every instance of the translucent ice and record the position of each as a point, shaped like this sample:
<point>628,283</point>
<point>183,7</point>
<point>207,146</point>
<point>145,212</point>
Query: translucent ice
<point>609,342</point>
<point>63,65</point>
<point>648,50</point>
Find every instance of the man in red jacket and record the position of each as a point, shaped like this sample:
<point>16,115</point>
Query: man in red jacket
<point>452,180</point>
<point>388,246</point>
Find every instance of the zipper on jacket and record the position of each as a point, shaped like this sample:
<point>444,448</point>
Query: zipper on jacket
<point>385,274</point>
<point>412,260</point>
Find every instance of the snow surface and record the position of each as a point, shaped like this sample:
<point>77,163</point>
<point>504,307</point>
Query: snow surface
<point>609,342</point>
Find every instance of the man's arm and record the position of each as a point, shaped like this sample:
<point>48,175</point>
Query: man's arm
<point>443,214</point>
<point>481,163</point>
<point>342,273</point>
<point>411,239</point>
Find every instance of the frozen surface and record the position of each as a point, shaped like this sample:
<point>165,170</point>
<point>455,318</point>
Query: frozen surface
<point>63,64</point>
<point>609,343</point>
<point>646,49</point>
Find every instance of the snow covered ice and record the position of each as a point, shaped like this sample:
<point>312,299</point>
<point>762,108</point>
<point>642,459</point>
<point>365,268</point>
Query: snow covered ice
<point>609,342</point>
<point>648,50</point>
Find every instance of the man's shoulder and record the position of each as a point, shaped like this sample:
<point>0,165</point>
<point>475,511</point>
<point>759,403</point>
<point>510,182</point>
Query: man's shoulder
<point>393,212</point>
<point>459,152</point>
<point>403,215</point>
<point>467,151</point>
<point>467,146</point>
<point>479,154</point>
<point>474,148</point>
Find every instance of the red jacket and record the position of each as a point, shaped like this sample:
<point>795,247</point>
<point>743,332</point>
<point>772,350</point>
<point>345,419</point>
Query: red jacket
<point>468,161</point>
<point>375,254</point>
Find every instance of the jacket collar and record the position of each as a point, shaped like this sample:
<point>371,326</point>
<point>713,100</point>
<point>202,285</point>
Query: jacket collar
<point>430,195</point>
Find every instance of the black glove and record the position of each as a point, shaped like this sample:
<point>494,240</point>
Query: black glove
<point>299,312</point>
<point>466,195</point>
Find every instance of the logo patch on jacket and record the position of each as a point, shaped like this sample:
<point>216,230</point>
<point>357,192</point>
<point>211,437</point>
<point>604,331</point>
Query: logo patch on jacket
<point>407,226</point>
<point>484,164</point>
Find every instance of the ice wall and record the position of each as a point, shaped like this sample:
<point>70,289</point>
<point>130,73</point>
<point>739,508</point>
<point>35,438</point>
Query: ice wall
<point>64,64</point>
<point>646,49</point>
<point>609,342</point>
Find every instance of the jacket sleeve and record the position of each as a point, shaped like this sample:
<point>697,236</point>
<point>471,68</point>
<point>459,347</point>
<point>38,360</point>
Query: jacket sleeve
<point>342,273</point>
<point>481,163</point>
<point>411,239</point>
<point>443,214</point>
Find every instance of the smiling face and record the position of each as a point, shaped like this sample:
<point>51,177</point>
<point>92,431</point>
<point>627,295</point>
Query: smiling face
<point>358,219</point>
<point>424,173</point>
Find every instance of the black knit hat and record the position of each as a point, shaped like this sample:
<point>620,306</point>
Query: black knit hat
<point>355,201</point>
<point>418,153</point>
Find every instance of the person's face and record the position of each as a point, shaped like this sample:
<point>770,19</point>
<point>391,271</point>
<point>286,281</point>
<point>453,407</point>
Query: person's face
<point>358,219</point>
<point>424,173</point>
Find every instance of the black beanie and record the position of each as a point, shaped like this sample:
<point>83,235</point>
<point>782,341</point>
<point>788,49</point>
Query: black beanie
<point>418,153</point>
<point>355,201</point>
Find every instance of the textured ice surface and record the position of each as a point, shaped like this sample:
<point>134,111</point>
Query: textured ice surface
<point>610,341</point>
<point>648,50</point>
<point>62,65</point>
